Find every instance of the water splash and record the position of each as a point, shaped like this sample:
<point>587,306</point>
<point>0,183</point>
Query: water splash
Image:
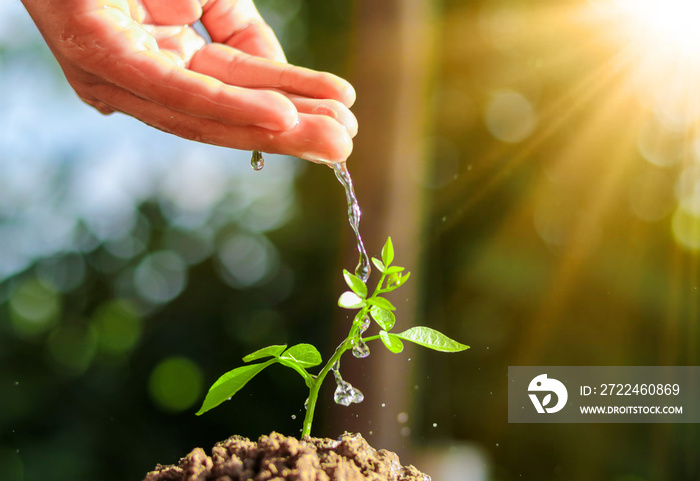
<point>359,349</point>
<point>341,172</point>
<point>365,324</point>
<point>257,162</point>
<point>345,393</point>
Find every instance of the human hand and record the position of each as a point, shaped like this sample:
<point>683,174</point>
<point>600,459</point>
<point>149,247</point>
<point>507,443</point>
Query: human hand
<point>143,58</point>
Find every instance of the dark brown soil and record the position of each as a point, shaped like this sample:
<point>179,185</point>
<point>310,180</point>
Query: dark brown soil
<point>278,458</point>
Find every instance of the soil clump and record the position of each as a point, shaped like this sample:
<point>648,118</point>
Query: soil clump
<point>276,457</point>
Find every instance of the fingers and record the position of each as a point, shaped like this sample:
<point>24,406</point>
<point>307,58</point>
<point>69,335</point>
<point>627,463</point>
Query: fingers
<point>180,42</point>
<point>318,138</point>
<point>331,108</point>
<point>237,23</point>
<point>238,68</point>
<point>173,12</point>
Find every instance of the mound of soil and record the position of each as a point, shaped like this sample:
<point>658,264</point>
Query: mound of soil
<point>278,458</point>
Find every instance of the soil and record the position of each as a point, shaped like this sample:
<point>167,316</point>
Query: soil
<point>277,458</point>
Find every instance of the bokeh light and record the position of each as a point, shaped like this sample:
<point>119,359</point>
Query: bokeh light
<point>510,116</point>
<point>176,384</point>
<point>72,348</point>
<point>34,307</point>
<point>118,326</point>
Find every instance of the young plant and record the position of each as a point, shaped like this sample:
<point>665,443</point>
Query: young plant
<point>300,357</point>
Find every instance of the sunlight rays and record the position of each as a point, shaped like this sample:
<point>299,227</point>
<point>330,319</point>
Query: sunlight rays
<point>616,99</point>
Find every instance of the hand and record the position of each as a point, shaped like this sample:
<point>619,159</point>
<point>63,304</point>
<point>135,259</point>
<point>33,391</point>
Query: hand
<point>143,58</point>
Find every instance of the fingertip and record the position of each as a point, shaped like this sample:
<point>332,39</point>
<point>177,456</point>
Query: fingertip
<point>338,150</point>
<point>349,94</point>
<point>281,113</point>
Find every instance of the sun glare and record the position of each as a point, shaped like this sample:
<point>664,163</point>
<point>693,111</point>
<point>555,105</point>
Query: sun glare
<point>670,23</point>
<point>661,43</point>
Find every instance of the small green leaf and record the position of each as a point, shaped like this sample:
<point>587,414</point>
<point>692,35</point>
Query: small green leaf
<point>402,280</point>
<point>431,339</point>
<point>355,283</point>
<point>388,252</point>
<point>378,264</point>
<point>291,363</point>
<point>384,317</point>
<point>381,302</point>
<point>397,280</point>
<point>230,383</point>
<point>305,355</point>
<point>268,351</point>
<point>391,341</point>
<point>394,269</point>
<point>350,300</point>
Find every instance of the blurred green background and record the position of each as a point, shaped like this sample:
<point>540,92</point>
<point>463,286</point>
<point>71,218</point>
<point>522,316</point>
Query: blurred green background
<point>536,163</point>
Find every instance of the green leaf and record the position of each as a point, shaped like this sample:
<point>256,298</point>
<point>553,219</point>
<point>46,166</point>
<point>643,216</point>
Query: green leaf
<point>431,339</point>
<point>384,317</point>
<point>355,283</point>
<point>396,280</point>
<point>402,280</point>
<point>305,355</point>
<point>268,351</point>
<point>230,383</point>
<point>388,252</point>
<point>391,341</point>
<point>381,302</point>
<point>378,264</point>
<point>394,269</point>
<point>350,300</point>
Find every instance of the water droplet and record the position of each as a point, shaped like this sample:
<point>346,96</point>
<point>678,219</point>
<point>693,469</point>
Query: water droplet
<point>402,417</point>
<point>343,175</point>
<point>294,416</point>
<point>257,162</point>
<point>306,403</point>
<point>365,324</point>
<point>345,394</point>
<point>434,425</point>
<point>360,349</point>
<point>383,405</point>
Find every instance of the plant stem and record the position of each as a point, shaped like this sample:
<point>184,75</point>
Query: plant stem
<point>339,351</point>
<point>315,388</point>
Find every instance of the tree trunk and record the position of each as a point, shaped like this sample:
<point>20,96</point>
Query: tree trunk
<point>393,58</point>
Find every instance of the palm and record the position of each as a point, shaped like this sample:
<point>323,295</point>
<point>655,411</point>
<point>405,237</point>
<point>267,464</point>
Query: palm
<point>144,58</point>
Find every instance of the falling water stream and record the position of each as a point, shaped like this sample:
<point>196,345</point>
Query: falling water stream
<point>341,172</point>
<point>345,393</point>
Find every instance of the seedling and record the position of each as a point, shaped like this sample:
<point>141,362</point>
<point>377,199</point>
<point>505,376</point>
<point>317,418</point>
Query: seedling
<point>300,357</point>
